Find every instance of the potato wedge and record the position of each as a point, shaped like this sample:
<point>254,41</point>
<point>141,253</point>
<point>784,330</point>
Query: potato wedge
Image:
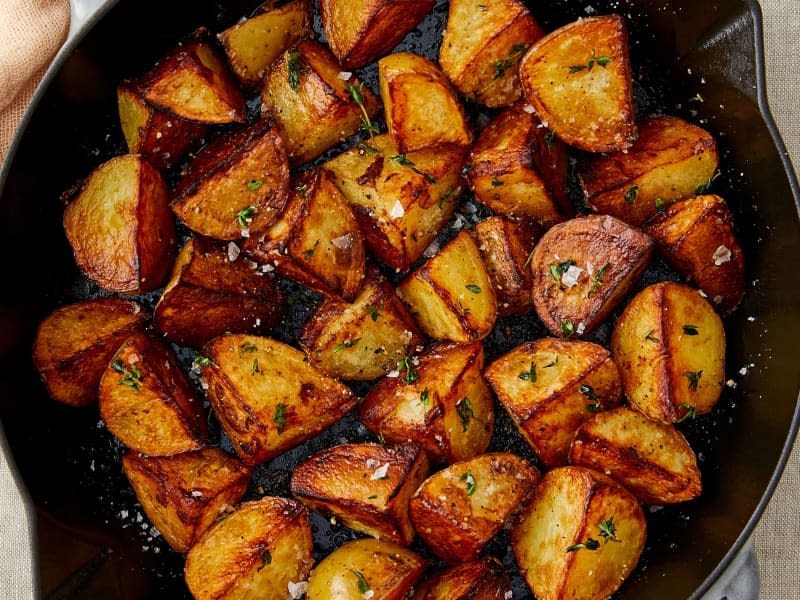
<point>439,400</point>
<point>459,509</point>
<point>551,387</point>
<point>579,537</point>
<point>183,495</point>
<point>316,241</point>
<point>253,44</point>
<point>366,486</point>
<point>422,110</point>
<point>667,163</point>
<point>481,579</point>
<point>583,269</point>
<point>360,31</point>
<point>267,397</point>
<point>75,343</point>
<point>261,550</point>
<point>481,49</point>
<point>236,186</point>
<point>451,296</point>
<point>147,401</point>
<point>669,344</point>
<point>578,78</point>
<point>353,570</point>
<point>696,237</point>
<point>120,228</point>
<point>316,108</point>
<point>649,458</point>
<point>208,294</point>
<point>363,340</point>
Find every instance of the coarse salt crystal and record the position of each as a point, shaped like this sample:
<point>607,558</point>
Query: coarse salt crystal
<point>345,75</point>
<point>717,299</point>
<point>233,251</point>
<point>371,463</point>
<point>431,250</point>
<point>580,328</point>
<point>343,242</point>
<point>296,590</point>
<point>721,255</point>
<point>508,595</point>
<point>267,268</point>
<point>702,293</point>
<point>380,472</point>
<point>397,210</point>
<point>529,109</point>
<point>368,594</point>
<point>570,277</point>
<point>245,233</point>
<point>743,371</point>
<point>393,374</point>
<point>196,494</point>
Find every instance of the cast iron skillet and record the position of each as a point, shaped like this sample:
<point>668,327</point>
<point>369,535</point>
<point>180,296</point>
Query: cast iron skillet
<point>91,538</point>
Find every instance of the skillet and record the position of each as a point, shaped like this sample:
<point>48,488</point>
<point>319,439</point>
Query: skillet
<point>92,540</point>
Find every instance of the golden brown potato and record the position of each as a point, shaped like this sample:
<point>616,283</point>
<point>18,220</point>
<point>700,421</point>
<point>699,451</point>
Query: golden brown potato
<point>459,509</point>
<point>317,108</point>
<point>147,401</point>
<point>362,566</point>
<point>359,31</point>
<point>237,186</point>
<point>120,228</point>
<point>451,296</point>
<point>253,44</point>
<point>578,78</point>
<point>670,347</point>
<point>401,202</point>
<point>75,343</point>
<point>551,387</point>
<point>422,109</point>
<point>183,495</point>
<point>481,49</point>
<point>316,241</point>
<point>208,294</point>
<point>438,400</point>
<point>267,397</point>
<point>362,340</point>
<point>517,167</point>
<point>481,579</point>
<point>649,458</point>
<point>366,486</point>
<point>696,237</point>
<point>261,550</point>
<point>668,162</point>
<point>583,269</point>
<point>579,537</point>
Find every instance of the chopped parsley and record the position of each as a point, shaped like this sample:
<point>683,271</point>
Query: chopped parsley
<point>497,182</point>
<point>254,184</point>
<point>589,544</point>
<point>245,216</point>
<point>549,138</point>
<point>255,368</point>
<point>424,397</point>
<point>200,360</point>
<point>660,205</point>
<point>266,559</point>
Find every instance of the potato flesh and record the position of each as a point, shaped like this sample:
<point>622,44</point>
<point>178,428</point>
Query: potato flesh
<point>482,579</point>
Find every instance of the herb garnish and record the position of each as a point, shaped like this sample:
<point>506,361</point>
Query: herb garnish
<point>690,329</point>
<point>497,182</point>
<point>530,374</point>
<point>589,392</point>
<point>603,61</point>
<point>469,479</point>
<point>608,530</point>
<point>279,418</point>
<point>597,280</point>
<point>464,411</point>
<point>363,584</point>
<point>631,194</point>
<point>660,205</point>
<point>404,161</point>
<point>132,376</point>
<point>475,289</point>
<point>254,184</point>
<point>310,251</point>
<point>589,544</point>
<point>345,344</point>
<point>558,269</point>
<point>200,360</point>
<point>567,329</point>
<point>245,216</point>
<point>295,68</point>
<point>266,559</point>
<point>691,412</point>
<point>704,188</point>
<point>514,56</point>
<point>694,379</point>
<point>373,310</point>
<point>549,138</point>
<point>411,375</point>
<point>255,368</point>
<point>356,92</point>
<point>649,337</point>
<point>247,348</point>
<point>424,397</point>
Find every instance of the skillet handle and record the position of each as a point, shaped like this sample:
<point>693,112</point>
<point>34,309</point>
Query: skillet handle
<point>81,13</point>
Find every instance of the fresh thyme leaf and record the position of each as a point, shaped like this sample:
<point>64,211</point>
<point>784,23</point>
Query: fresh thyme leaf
<point>295,67</point>
<point>310,251</point>
<point>131,375</point>
<point>424,397</point>
<point>704,188</point>
<point>696,98</point>
<point>549,138</point>
<point>404,161</point>
<point>691,412</point>
<point>255,368</point>
<point>254,184</point>
<point>407,364</point>
<point>469,479</point>
<point>589,392</point>
<point>467,168</point>
<point>247,348</point>
<point>363,584</point>
<point>345,344</point>
<point>497,182</point>
<point>374,310</point>
<point>567,329</point>
<point>503,65</point>
<point>475,289</point>
<point>245,216</point>
<point>266,559</point>
<point>357,93</point>
<point>608,530</point>
<point>447,197</point>
<point>631,194</point>
<point>597,280</point>
<point>660,205</point>
<point>464,411</point>
<point>530,374</point>
<point>552,363</point>
<point>301,190</point>
<point>649,337</point>
<point>589,544</point>
<point>694,379</point>
<point>200,360</point>
<point>279,418</point>
<point>603,61</point>
<point>558,269</point>
<point>690,329</point>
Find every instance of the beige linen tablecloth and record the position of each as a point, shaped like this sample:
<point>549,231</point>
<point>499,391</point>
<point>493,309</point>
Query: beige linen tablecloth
<point>32,30</point>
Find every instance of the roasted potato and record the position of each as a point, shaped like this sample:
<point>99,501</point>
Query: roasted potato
<point>183,495</point>
<point>120,228</point>
<point>359,31</point>
<point>696,237</point>
<point>551,387</point>
<point>670,347</point>
<point>583,269</point>
<point>459,509</point>
<point>237,186</point>
<point>578,78</point>
<point>261,550</point>
<point>362,566</point>
<point>253,44</point>
<point>579,536</point>
<point>422,109</point>
<point>667,163</point>
<point>147,401</point>
<point>401,202</point>
<point>649,458</point>
<point>366,486</point>
<point>267,397</point>
<point>438,400</point>
<point>316,103</point>
<point>75,343</point>
<point>316,241</point>
<point>451,296</point>
<point>481,579</point>
<point>363,340</point>
<point>481,49</point>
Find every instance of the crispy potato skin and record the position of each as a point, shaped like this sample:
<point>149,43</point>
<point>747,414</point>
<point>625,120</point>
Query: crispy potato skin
<point>649,458</point>
<point>457,519</point>
<point>481,579</point>
<point>601,248</point>
<point>696,237</point>
<point>75,343</point>
<point>589,108</point>
<point>184,494</point>
<point>659,359</point>
<point>253,553</point>
<point>359,31</point>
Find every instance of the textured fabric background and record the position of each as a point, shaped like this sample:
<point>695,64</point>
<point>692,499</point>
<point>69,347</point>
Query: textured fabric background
<point>32,30</point>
